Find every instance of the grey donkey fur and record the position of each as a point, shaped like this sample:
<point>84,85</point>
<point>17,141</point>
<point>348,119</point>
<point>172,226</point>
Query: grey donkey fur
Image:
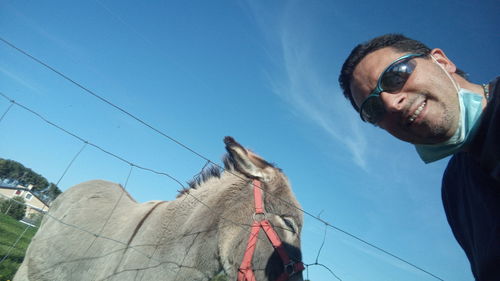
<point>166,240</point>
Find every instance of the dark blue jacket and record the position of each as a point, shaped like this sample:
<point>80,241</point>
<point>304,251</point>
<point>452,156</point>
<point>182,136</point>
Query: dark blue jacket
<point>471,194</point>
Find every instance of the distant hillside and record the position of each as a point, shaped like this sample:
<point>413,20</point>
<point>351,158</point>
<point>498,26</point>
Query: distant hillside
<point>14,173</point>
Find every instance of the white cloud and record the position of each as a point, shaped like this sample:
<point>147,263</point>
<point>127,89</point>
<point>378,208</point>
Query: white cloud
<point>302,84</point>
<point>21,80</point>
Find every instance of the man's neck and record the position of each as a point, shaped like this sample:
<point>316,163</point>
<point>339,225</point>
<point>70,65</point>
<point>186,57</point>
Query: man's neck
<point>475,88</point>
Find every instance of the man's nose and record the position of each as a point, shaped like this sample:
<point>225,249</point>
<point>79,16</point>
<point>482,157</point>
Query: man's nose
<point>393,102</point>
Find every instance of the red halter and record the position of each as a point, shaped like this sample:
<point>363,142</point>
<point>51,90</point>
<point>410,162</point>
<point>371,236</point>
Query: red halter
<point>245,271</point>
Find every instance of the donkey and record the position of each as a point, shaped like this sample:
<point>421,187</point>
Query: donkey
<point>96,231</point>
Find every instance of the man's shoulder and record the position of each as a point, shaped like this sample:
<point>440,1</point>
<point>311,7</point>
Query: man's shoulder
<point>484,147</point>
<point>457,162</point>
<point>462,171</point>
<point>454,168</point>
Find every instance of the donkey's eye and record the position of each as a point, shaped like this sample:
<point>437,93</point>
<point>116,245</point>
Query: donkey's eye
<point>290,224</point>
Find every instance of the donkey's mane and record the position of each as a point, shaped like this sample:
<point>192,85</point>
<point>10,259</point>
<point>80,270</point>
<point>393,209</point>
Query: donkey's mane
<point>214,171</point>
<point>208,172</point>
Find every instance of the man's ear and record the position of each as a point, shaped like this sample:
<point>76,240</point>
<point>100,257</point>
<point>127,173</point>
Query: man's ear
<point>442,59</point>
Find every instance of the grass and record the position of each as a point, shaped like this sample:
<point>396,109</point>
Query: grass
<point>10,230</point>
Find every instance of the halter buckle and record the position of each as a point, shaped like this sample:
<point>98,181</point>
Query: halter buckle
<point>258,217</point>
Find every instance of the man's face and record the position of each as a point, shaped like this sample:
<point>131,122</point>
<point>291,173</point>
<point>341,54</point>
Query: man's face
<point>425,110</point>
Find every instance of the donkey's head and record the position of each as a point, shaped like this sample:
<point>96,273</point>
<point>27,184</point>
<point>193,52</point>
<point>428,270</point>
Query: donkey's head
<point>280,210</point>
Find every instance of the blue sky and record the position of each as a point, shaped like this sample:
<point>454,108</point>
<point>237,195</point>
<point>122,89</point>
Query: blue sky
<point>264,72</point>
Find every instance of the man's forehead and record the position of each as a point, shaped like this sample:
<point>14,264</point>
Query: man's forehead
<point>368,70</point>
<point>375,62</point>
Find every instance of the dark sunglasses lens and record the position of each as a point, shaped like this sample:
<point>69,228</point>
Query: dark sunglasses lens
<point>395,76</point>
<point>373,109</point>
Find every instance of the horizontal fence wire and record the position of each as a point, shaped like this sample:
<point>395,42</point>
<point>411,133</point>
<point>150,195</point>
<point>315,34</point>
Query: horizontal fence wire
<point>92,93</point>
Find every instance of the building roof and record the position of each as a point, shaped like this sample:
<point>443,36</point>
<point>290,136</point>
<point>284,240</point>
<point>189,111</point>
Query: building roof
<point>11,187</point>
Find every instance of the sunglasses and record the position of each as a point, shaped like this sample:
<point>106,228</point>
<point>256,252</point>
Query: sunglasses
<point>391,80</point>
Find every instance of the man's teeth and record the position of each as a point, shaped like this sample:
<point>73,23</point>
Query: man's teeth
<point>417,112</point>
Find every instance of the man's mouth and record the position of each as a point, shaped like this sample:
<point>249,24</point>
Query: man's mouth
<point>417,112</point>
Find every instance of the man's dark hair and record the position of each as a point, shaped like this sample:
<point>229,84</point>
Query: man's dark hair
<point>398,42</point>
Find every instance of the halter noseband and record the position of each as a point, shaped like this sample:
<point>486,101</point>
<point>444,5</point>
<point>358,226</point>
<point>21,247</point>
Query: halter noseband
<point>260,221</point>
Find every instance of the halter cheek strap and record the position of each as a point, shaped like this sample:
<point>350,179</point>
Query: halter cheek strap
<point>246,272</point>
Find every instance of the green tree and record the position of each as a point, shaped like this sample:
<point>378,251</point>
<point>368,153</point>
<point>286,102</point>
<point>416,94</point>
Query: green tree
<point>52,192</point>
<point>13,208</point>
<point>15,173</point>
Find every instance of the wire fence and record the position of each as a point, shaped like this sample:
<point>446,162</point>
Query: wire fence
<point>244,226</point>
<point>86,143</point>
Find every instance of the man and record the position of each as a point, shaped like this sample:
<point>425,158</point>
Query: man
<point>418,95</point>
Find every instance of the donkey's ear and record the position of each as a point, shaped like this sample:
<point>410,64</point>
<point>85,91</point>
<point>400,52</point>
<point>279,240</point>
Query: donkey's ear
<point>245,161</point>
